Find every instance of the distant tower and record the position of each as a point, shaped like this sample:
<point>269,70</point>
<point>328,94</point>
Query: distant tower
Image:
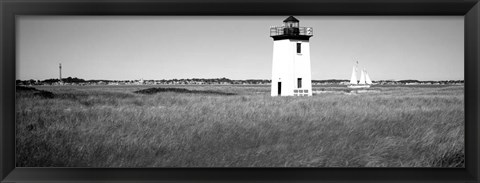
<point>291,73</point>
<point>60,69</point>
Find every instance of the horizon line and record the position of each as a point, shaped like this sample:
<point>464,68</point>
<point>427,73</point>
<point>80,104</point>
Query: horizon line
<point>234,79</point>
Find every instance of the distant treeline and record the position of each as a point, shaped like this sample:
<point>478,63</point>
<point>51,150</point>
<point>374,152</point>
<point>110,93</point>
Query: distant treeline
<point>411,81</point>
<point>78,81</point>
<point>329,81</point>
<point>52,81</point>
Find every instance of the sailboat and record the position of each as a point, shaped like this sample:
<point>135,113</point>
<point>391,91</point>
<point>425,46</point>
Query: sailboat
<point>364,82</point>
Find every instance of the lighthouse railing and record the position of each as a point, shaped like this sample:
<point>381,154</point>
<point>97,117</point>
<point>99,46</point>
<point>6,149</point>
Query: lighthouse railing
<point>279,30</point>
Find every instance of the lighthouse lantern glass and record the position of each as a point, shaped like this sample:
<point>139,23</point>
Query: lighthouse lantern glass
<point>291,24</point>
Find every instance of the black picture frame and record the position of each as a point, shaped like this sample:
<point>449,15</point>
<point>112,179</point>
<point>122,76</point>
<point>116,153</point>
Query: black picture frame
<point>470,9</point>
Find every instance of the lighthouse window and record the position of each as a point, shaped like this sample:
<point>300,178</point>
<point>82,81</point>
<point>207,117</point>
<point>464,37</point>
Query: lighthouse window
<point>299,83</point>
<point>299,47</point>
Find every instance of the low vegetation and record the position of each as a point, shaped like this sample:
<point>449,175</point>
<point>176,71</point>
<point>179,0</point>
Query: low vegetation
<point>112,126</point>
<point>180,90</point>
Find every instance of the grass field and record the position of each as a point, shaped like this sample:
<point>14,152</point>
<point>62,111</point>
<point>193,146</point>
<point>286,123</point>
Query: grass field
<point>112,126</point>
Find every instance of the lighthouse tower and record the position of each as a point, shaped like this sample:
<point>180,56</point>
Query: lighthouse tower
<point>291,73</point>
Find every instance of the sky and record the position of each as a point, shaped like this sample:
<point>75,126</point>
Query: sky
<point>235,47</point>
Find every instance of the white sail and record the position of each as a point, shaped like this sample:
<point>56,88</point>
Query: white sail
<point>362,78</point>
<point>353,80</point>
<point>367,79</point>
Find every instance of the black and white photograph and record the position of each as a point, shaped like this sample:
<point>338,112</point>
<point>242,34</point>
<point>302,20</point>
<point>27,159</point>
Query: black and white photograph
<point>239,91</point>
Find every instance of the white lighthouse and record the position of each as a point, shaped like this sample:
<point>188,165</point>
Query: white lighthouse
<point>291,73</point>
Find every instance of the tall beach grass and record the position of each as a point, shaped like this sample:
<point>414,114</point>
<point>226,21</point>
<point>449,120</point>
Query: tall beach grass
<point>115,127</point>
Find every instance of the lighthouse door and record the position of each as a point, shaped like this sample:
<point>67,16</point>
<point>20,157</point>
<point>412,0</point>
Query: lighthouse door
<point>279,88</point>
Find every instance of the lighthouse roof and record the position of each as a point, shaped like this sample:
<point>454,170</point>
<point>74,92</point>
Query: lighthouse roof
<point>291,19</point>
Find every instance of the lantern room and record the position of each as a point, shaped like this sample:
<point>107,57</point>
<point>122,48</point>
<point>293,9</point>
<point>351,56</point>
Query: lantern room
<point>291,22</point>
<point>291,30</point>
